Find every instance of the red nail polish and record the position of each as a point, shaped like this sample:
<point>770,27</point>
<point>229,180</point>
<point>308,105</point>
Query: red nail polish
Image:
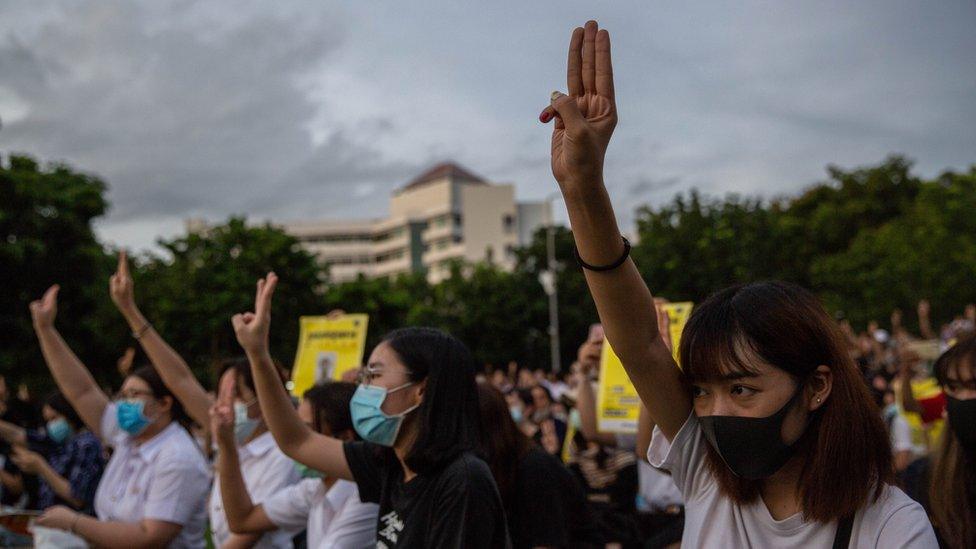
<point>544,117</point>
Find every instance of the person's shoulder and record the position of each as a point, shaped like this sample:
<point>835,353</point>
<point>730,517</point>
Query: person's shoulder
<point>465,469</point>
<point>84,440</point>
<point>893,506</point>
<point>179,449</point>
<point>537,461</point>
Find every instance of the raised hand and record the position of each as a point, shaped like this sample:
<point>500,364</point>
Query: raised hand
<point>45,310</point>
<point>222,411</point>
<point>121,287</point>
<point>251,328</point>
<point>585,118</point>
<point>924,308</point>
<point>27,461</point>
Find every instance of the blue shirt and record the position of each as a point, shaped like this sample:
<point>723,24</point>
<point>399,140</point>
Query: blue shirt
<point>79,460</point>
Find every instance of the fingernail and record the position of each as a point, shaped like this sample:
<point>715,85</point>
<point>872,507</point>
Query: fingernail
<point>544,117</point>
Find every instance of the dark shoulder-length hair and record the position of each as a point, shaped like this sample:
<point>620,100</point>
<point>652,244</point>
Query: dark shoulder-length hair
<point>57,402</point>
<point>447,419</point>
<point>952,492</point>
<point>330,406</point>
<point>503,445</point>
<point>159,390</point>
<point>846,451</point>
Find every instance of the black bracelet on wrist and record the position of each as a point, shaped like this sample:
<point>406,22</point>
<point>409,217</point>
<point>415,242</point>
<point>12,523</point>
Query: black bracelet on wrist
<point>602,268</point>
<point>141,331</point>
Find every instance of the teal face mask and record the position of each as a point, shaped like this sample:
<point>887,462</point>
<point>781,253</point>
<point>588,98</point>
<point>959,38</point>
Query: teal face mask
<point>58,430</point>
<point>130,417</point>
<point>368,418</point>
<point>307,472</point>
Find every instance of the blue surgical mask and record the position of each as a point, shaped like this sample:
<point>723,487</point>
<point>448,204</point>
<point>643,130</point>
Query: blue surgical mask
<point>890,410</point>
<point>58,430</point>
<point>368,417</point>
<point>243,425</point>
<point>307,472</point>
<point>129,414</point>
<point>516,413</point>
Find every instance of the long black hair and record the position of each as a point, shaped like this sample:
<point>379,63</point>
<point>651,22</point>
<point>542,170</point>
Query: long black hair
<point>448,422</point>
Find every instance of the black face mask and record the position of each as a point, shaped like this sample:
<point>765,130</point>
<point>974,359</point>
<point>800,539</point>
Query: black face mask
<point>751,447</point>
<point>962,421</point>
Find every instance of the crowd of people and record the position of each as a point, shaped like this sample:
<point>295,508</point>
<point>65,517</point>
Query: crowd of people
<point>783,426</point>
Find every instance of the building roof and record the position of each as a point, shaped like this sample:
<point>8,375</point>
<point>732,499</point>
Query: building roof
<point>449,170</point>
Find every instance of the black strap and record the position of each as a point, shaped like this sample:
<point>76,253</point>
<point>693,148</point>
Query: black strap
<point>601,268</point>
<point>843,537</point>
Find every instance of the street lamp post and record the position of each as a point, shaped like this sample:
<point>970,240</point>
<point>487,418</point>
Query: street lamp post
<point>549,280</point>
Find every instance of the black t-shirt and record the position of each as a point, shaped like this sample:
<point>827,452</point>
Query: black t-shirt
<point>548,507</point>
<point>458,506</point>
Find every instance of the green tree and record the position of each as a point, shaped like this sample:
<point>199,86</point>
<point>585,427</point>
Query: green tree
<point>930,252</point>
<point>210,275</point>
<point>46,237</point>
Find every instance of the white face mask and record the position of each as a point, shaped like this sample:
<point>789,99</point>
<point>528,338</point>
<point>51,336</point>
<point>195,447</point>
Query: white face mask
<point>244,426</point>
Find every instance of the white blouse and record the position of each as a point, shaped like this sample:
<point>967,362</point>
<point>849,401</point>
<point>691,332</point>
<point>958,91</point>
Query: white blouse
<point>165,478</point>
<point>334,518</point>
<point>266,471</point>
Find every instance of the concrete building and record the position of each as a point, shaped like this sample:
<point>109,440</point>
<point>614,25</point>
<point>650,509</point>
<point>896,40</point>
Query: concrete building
<point>446,214</point>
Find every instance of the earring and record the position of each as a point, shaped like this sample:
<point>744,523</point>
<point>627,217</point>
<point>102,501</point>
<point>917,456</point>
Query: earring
<point>818,400</point>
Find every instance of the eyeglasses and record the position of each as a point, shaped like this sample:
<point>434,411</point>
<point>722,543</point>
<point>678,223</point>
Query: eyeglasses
<point>132,395</point>
<point>367,374</point>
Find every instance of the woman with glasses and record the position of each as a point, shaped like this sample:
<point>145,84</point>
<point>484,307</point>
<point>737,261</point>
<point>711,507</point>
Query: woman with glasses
<point>265,468</point>
<point>153,492</point>
<point>417,412</point>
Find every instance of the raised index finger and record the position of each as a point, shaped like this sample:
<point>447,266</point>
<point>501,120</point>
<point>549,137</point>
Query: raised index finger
<point>604,69</point>
<point>574,71</point>
<point>263,306</point>
<point>123,268</point>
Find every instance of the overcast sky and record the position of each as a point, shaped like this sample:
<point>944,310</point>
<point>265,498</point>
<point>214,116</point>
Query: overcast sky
<point>295,110</point>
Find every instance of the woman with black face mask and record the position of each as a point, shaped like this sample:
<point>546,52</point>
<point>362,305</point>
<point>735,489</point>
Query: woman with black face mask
<point>768,431</point>
<point>952,493</point>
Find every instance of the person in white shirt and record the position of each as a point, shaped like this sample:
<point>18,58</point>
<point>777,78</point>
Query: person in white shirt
<point>768,430</point>
<point>266,469</point>
<point>153,492</point>
<point>328,509</point>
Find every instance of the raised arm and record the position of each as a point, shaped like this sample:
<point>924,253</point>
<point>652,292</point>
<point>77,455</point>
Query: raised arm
<point>588,357</point>
<point>74,380</point>
<point>174,371</point>
<point>584,122</point>
<point>924,322</point>
<point>13,434</point>
<point>295,439</point>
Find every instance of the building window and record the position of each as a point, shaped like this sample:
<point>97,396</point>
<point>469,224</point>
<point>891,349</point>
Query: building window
<point>508,223</point>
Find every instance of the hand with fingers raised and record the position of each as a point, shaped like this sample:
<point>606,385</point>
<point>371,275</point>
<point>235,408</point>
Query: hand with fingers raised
<point>222,412</point>
<point>251,328</point>
<point>584,119</point>
<point>45,310</point>
<point>121,287</point>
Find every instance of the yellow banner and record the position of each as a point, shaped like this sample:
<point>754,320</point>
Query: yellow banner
<point>327,348</point>
<point>678,314</point>
<point>618,405</point>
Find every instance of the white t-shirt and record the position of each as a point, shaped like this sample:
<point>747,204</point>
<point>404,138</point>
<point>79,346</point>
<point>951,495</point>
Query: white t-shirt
<point>713,520</point>
<point>656,489</point>
<point>901,435</point>
<point>334,518</point>
<point>165,478</point>
<point>266,471</point>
